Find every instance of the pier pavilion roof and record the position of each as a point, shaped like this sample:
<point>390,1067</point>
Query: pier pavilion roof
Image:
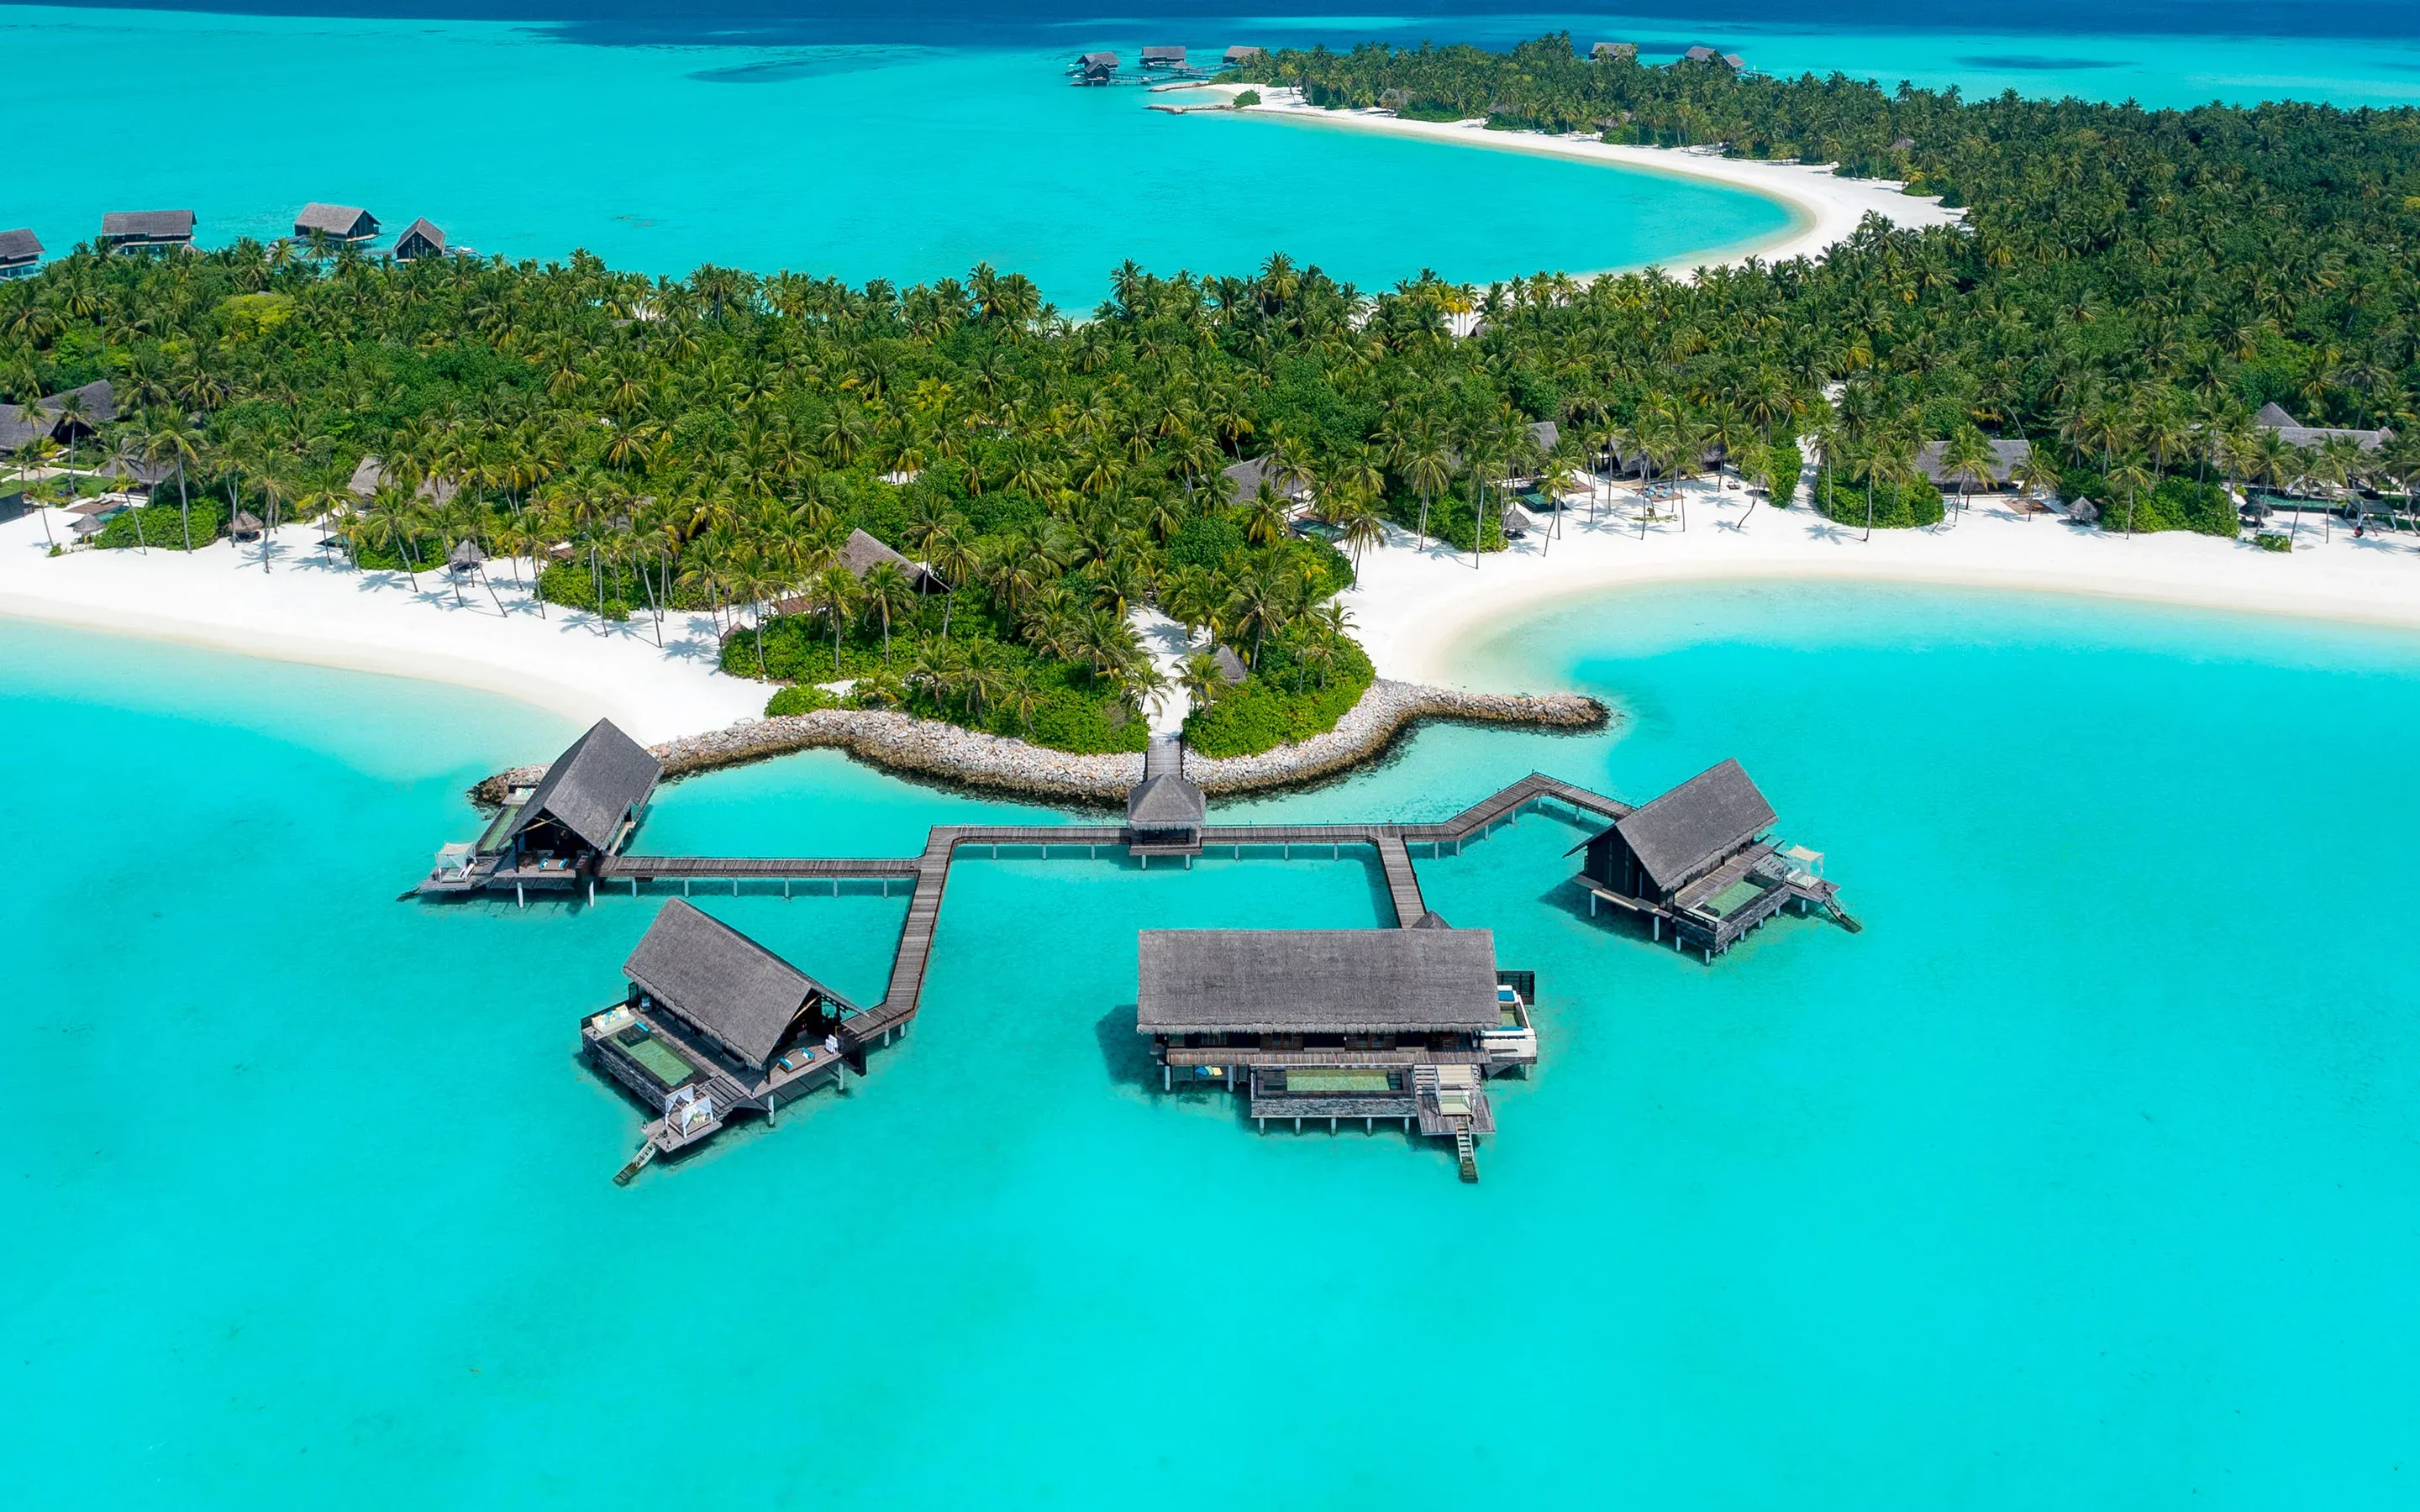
<point>603,777</point>
<point>723,981</point>
<point>1696,825</point>
<point>346,223</point>
<point>148,225</point>
<point>1167,801</point>
<point>1318,981</point>
<point>20,245</point>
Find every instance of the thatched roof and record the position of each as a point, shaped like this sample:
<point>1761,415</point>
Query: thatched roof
<point>148,225</point>
<point>2006,458</point>
<point>1230,666</point>
<point>1680,835</point>
<point>19,246</point>
<point>1097,60</point>
<point>864,551</point>
<point>348,223</point>
<point>1244,480</point>
<point>1546,434</point>
<point>19,423</point>
<point>371,475</point>
<point>722,982</point>
<point>1165,802</point>
<point>1614,50</point>
<point>1517,519</point>
<point>1163,54</point>
<point>1332,981</point>
<point>466,553</point>
<point>420,239</point>
<point>244,524</point>
<point>592,786</point>
<point>2273,417</point>
<point>1238,57</point>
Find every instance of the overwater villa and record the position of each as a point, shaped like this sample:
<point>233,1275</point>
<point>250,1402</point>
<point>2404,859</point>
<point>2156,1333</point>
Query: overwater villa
<point>1095,67</point>
<point>713,1024</point>
<point>122,230</point>
<point>21,251</point>
<point>1401,1025</point>
<point>1163,58</point>
<point>1696,863</point>
<point>555,835</point>
<point>1707,55</point>
<point>420,239</point>
<point>344,225</point>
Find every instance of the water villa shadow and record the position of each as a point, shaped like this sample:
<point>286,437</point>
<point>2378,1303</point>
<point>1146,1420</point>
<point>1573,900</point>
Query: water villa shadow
<point>1402,1024</point>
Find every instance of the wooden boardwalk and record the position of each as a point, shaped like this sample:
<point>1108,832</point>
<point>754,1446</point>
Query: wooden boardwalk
<point>931,871</point>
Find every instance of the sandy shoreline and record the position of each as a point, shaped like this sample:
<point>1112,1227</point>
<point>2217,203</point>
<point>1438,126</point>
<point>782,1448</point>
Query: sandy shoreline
<point>1416,610</point>
<point>1825,207</point>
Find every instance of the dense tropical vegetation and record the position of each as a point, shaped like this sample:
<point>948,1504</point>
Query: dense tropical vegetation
<point>2130,287</point>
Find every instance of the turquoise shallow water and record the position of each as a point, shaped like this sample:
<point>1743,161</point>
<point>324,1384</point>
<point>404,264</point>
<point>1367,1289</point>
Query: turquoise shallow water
<point>912,162</point>
<point>2086,1173</point>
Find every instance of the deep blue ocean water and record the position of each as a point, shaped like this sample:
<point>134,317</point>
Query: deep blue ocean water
<point>2084,1174</point>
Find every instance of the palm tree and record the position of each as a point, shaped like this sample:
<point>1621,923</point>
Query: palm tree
<point>1968,458</point>
<point>834,590</point>
<point>2132,472</point>
<point>887,593</point>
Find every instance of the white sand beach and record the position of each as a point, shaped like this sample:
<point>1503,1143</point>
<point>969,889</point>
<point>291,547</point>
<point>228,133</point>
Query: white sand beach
<point>1415,609</point>
<point>1825,207</point>
<point>305,609</point>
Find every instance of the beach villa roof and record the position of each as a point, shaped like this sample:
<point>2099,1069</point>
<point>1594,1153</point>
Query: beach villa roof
<point>1701,53</point>
<point>1230,666</point>
<point>2273,417</point>
<point>1333,981</point>
<point>1244,480</point>
<point>1516,518</point>
<point>371,475</point>
<point>244,524</point>
<point>420,239</point>
<point>593,786</point>
<point>2007,455</point>
<point>19,423</point>
<point>1609,49</point>
<point>862,552</point>
<point>1167,801</point>
<point>738,993</point>
<point>146,227</point>
<point>338,222</point>
<point>1546,434</point>
<point>1240,56</point>
<point>20,248</point>
<point>1680,835</point>
<point>1737,63</point>
<point>466,553</point>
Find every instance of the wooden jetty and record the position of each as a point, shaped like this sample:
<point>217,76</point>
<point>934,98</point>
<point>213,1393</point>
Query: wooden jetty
<point>1697,861</point>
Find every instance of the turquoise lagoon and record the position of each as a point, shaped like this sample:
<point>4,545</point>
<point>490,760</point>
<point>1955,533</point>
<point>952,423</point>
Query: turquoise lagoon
<point>2086,1174</point>
<point>659,145</point>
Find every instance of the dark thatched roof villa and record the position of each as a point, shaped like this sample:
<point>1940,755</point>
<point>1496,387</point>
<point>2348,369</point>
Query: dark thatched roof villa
<point>121,229</point>
<point>420,239</point>
<point>343,223</point>
<point>1401,1024</point>
<point>21,251</point>
<point>713,1023</point>
<point>555,834</point>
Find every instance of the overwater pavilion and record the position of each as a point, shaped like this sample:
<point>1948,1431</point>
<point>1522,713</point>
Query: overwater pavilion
<point>556,834</point>
<point>713,1024</point>
<point>1401,1024</point>
<point>1097,68</point>
<point>122,229</point>
<point>21,251</point>
<point>420,239</point>
<point>1696,863</point>
<point>1163,58</point>
<point>340,224</point>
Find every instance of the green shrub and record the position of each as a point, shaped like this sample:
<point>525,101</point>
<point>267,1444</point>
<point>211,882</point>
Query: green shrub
<point>1247,99</point>
<point>1268,710</point>
<point>161,527</point>
<point>2174,504</point>
<point>567,584</point>
<point>2271,541</point>
<point>799,698</point>
<point>1838,497</point>
<point>1204,541</point>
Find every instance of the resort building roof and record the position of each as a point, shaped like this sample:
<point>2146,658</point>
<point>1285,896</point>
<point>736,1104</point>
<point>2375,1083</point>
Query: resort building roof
<point>1335,981</point>
<point>339,223</point>
<point>18,247</point>
<point>591,786</point>
<point>1167,801</point>
<point>1605,50</point>
<point>1240,56</point>
<point>19,423</point>
<point>722,982</point>
<point>371,475</point>
<point>420,239</point>
<point>1546,434</point>
<point>1172,56</point>
<point>155,227</point>
<point>1696,825</point>
<point>2273,417</point>
<point>1244,480</point>
<point>1230,666</point>
<point>1098,60</point>
<point>2007,455</point>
